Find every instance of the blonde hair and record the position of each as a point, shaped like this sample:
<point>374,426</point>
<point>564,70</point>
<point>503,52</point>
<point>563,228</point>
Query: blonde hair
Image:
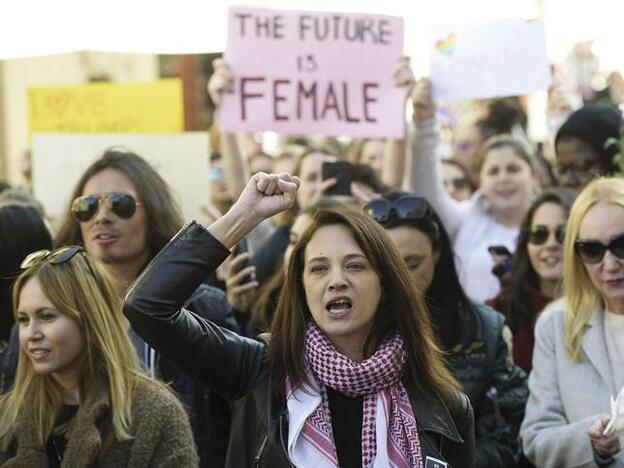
<point>582,298</point>
<point>82,291</point>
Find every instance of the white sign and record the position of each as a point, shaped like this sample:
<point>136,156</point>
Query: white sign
<point>504,58</point>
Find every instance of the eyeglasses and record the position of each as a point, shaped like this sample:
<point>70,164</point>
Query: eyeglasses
<point>592,251</point>
<point>55,257</point>
<point>459,183</point>
<point>540,234</point>
<point>122,204</point>
<point>407,207</point>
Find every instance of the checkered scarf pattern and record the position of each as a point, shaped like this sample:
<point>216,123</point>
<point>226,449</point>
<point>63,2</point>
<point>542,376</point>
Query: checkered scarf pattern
<point>377,377</point>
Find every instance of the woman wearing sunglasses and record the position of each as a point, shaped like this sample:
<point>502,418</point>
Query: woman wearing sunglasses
<point>492,216</point>
<point>350,376</point>
<point>537,269</point>
<point>457,181</point>
<point>80,397</point>
<point>578,360</point>
<point>471,334</point>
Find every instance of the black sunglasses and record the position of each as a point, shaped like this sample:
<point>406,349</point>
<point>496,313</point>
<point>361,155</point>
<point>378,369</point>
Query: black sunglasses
<point>459,183</point>
<point>407,207</point>
<point>122,204</point>
<point>540,234</point>
<point>593,251</point>
<point>54,257</point>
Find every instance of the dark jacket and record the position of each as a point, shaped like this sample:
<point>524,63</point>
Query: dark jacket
<point>497,388</point>
<point>237,367</point>
<point>208,413</point>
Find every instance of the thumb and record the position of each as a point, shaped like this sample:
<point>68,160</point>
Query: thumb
<point>288,189</point>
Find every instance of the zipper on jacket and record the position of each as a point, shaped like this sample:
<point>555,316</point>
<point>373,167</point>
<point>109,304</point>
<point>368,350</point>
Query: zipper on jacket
<point>259,454</point>
<point>281,429</point>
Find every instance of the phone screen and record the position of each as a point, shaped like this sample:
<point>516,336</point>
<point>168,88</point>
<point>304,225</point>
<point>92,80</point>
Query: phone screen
<point>342,171</point>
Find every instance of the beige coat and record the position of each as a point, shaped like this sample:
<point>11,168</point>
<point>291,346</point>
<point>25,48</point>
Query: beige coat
<point>566,396</point>
<point>162,437</point>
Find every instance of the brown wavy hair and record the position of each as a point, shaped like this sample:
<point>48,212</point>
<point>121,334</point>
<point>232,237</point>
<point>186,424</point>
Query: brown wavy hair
<point>401,309</point>
<point>164,218</point>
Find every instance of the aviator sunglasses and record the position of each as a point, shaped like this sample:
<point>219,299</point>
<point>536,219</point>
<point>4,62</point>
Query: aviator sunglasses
<point>540,234</point>
<point>407,207</point>
<point>122,204</point>
<point>54,257</point>
<point>592,251</point>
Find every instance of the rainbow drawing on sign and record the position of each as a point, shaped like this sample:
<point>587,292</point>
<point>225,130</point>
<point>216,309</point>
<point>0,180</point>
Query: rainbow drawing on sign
<point>446,45</point>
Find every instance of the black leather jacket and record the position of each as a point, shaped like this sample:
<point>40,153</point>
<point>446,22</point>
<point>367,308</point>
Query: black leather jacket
<point>236,367</point>
<point>497,388</point>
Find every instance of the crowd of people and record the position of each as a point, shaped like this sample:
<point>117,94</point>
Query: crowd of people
<point>447,310</point>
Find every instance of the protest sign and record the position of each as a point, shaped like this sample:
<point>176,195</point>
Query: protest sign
<point>60,159</point>
<point>504,58</point>
<point>150,107</point>
<point>301,72</point>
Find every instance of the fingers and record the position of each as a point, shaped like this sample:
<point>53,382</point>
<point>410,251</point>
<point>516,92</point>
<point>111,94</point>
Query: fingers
<point>276,184</point>
<point>362,195</point>
<point>237,262</point>
<point>422,92</point>
<point>220,82</point>
<point>235,280</point>
<point>604,445</point>
<point>404,76</point>
<point>607,446</point>
<point>327,183</point>
<point>422,100</point>
<point>244,288</point>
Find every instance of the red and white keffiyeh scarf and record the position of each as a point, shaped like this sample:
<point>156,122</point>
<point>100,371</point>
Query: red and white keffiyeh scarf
<point>387,410</point>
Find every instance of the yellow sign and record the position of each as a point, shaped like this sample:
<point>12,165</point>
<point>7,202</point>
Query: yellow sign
<point>152,107</point>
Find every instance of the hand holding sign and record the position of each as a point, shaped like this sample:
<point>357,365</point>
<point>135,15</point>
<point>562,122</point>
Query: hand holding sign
<point>220,82</point>
<point>422,100</point>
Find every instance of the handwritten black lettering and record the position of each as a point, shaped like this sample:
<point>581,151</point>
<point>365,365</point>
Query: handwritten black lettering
<point>242,17</point>
<point>345,103</point>
<point>330,102</point>
<point>303,93</point>
<point>245,95</point>
<point>368,99</point>
<point>277,98</point>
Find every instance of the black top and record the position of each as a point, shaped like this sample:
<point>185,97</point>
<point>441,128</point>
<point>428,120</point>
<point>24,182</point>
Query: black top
<point>55,447</point>
<point>346,416</point>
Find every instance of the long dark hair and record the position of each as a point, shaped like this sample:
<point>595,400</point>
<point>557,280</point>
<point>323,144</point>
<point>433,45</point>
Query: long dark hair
<point>515,301</point>
<point>163,214</point>
<point>22,231</point>
<point>401,308</point>
<point>453,314</point>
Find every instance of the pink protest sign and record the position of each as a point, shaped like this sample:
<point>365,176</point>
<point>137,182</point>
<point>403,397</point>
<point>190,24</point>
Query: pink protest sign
<point>301,72</point>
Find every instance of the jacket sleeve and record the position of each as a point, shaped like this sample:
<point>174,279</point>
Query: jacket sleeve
<point>423,176</point>
<point>225,361</point>
<point>500,415</point>
<point>548,439</point>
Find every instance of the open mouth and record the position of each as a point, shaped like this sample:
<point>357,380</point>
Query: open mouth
<point>39,353</point>
<point>105,238</point>
<point>339,305</point>
<point>551,261</point>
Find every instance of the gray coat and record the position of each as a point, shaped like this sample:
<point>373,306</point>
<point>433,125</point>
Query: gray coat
<point>566,396</point>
